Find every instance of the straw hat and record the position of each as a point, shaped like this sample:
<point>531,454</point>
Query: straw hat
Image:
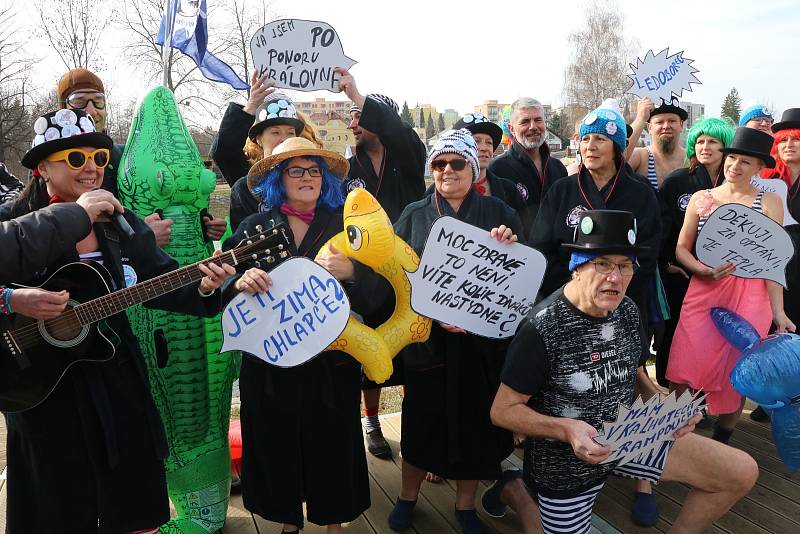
<point>296,147</point>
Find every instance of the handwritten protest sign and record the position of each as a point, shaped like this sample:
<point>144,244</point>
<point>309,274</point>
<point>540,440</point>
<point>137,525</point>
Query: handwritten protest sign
<point>303,312</point>
<point>299,54</point>
<point>470,280</point>
<point>779,187</point>
<point>757,245</point>
<point>644,426</point>
<point>660,76</point>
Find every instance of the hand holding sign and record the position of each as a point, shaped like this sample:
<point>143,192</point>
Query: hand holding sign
<point>299,54</point>
<point>304,311</point>
<point>469,279</point>
<point>756,245</point>
<point>644,426</point>
<point>660,76</point>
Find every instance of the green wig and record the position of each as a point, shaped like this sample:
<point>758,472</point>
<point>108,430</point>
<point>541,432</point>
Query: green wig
<point>719,129</point>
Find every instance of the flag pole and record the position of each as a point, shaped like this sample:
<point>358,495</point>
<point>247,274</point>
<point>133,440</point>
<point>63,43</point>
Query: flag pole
<point>165,49</point>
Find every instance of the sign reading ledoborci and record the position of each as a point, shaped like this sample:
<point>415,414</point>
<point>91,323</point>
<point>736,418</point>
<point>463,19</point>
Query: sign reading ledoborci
<point>299,54</point>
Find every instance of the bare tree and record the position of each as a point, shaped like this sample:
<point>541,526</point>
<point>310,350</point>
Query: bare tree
<point>245,17</point>
<point>74,29</point>
<point>139,21</point>
<point>15,105</point>
<point>600,57</point>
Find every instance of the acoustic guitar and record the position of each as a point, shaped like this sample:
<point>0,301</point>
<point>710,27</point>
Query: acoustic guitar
<point>36,354</point>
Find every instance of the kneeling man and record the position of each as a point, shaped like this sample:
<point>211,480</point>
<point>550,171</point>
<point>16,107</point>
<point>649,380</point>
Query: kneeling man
<point>577,355</point>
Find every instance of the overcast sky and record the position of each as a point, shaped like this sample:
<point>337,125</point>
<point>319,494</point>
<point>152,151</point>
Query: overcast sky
<point>457,54</point>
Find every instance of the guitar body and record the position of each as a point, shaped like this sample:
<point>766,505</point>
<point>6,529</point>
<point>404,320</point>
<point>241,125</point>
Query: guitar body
<point>35,355</point>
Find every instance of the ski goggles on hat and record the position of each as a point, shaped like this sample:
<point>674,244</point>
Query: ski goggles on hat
<point>457,164</point>
<point>76,158</point>
<point>81,100</point>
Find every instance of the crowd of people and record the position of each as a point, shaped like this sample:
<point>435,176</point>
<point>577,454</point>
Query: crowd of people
<point>617,227</point>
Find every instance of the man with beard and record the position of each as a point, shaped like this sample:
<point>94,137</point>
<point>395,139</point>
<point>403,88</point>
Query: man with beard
<point>389,162</point>
<point>528,163</point>
<point>664,155</point>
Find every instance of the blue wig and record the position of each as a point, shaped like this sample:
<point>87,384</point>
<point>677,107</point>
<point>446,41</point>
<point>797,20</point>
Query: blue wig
<point>272,192</point>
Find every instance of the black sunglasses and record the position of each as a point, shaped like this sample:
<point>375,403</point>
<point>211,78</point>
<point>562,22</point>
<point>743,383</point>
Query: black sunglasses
<point>457,164</point>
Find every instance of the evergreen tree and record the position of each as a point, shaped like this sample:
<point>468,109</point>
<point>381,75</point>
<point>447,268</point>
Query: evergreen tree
<point>732,106</point>
<point>406,114</point>
<point>421,119</point>
<point>440,124</point>
<point>429,128</point>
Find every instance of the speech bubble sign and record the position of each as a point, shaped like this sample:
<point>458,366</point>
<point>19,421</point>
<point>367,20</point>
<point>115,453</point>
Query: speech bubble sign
<point>660,76</point>
<point>299,54</point>
<point>757,245</point>
<point>470,280</point>
<point>303,312</point>
<point>779,187</point>
<point>644,426</point>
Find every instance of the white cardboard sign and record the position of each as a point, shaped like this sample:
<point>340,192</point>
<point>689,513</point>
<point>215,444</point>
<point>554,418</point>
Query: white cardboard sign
<point>779,187</point>
<point>303,312</point>
<point>299,54</point>
<point>660,76</point>
<point>644,426</point>
<point>757,245</point>
<point>470,280</point>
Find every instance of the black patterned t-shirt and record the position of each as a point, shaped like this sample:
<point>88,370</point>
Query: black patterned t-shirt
<point>576,366</point>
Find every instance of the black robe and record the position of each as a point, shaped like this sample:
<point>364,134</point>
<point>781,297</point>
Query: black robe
<point>674,194</point>
<point>301,426</point>
<point>791,296</point>
<point>451,379</point>
<point>403,179</point>
<point>559,213</point>
<point>515,165</point>
<point>228,145</point>
<point>90,457</point>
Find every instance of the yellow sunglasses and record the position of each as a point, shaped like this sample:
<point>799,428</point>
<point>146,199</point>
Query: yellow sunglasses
<point>76,158</point>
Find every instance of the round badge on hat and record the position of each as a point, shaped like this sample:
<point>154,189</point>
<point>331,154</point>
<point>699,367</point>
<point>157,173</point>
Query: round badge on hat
<point>611,128</point>
<point>587,225</point>
<point>590,118</point>
<point>631,237</point>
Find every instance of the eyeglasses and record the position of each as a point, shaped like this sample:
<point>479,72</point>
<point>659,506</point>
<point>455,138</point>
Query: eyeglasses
<point>457,164</point>
<point>81,100</point>
<point>607,267</point>
<point>298,172</point>
<point>764,120</point>
<point>76,158</point>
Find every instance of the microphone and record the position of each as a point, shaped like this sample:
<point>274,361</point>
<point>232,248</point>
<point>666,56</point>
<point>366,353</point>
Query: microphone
<point>122,225</point>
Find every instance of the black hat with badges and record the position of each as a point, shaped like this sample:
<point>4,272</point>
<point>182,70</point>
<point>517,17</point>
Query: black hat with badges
<point>669,107</point>
<point>276,110</point>
<point>60,130</point>
<point>752,142</point>
<point>789,120</point>
<point>479,123</point>
<point>605,232</point>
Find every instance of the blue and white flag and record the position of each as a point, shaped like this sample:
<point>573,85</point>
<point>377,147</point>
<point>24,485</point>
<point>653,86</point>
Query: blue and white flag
<point>190,36</point>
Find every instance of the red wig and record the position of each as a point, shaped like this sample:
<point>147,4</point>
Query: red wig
<point>781,170</point>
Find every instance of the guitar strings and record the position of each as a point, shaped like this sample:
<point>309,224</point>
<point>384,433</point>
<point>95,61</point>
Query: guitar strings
<point>65,323</point>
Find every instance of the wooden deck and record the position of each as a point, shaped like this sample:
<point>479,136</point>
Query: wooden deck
<point>773,506</point>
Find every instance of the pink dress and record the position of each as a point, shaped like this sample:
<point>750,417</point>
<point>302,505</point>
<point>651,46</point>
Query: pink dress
<point>699,355</point>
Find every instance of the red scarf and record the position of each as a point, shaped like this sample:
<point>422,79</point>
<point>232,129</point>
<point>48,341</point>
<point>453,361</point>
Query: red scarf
<point>479,187</point>
<point>305,216</point>
<point>55,199</point>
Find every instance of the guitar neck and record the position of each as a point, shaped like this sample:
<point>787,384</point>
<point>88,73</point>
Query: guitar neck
<point>118,301</point>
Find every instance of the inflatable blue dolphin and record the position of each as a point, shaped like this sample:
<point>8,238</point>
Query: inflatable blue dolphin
<point>768,373</point>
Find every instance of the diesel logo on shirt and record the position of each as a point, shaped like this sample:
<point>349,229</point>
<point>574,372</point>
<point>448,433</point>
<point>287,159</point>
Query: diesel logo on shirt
<point>597,356</point>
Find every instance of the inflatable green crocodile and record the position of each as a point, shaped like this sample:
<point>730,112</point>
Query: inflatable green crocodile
<point>161,169</point>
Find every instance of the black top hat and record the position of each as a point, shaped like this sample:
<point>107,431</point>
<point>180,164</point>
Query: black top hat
<point>478,123</point>
<point>789,119</point>
<point>605,232</point>
<point>60,130</point>
<point>752,142</point>
<point>670,108</point>
<point>276,110</point>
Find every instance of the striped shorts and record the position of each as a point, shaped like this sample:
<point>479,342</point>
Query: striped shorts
<point>573,514</point>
